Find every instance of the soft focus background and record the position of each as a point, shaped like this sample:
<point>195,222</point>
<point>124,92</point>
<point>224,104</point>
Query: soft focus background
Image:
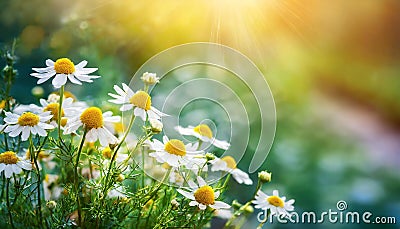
<point>333,68</point>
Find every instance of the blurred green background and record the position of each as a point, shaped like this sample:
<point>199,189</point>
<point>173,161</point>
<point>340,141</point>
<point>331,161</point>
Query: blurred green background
<point>333,68</point>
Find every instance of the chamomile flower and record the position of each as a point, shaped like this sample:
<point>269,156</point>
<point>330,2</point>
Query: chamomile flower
<point>139,101</point>
<point>93,119</point>
<point>11,164</point>
<point>64,69</point>
<point>203,195</point>
<point>173,152</point>
<point>277,205</point>
<point>228,164</point>
<point>27,123</point>
<point>204,133</point>
<point>67,110</point>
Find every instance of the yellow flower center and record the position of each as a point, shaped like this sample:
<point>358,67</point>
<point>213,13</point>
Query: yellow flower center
<point>175,147</point>
<point>8,157</point>
<point>142,100</point>
<point>205,195</point>
<point>119,127</point>
<point>63,121</point>
<point>64,66</point>
<point>53,108</point>
<point>92,117</point>
<point>276,201</point>
<point>230,162</point>
<point>2,104</point>
<point>41,155</point>
<point>203,130</point>
<point>28,119</point>
<point>107,152</point>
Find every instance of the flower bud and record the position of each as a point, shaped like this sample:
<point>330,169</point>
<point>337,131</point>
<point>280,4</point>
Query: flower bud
<point>264,176</point>
<point>51,204</point>
<point>175,204</point>
<point>53,98</point>
<point>236,205</point>
<point>37,91</point>
<point>248,209</point>
<point>210,156</point>
<point>156,126</point>
<point>120,178</point>
<point>149,78</point>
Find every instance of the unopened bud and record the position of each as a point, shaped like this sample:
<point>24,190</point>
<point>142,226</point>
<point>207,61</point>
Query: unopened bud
<point>37,91</point>
<point>120,178</point>
<point>156,126</point>
<point>210,156</point>
<point>51,204</point>
<point>236,205</point>
<point>150,78</point>
<point>175,204</point>
<point>264,176</point>
<point>248,209</point>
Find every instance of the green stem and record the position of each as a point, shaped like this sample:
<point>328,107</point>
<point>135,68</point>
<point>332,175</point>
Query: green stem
<point>241,209</point>
<point>115,153</point>
<point>76,180</point>
<point>39,181</point>
<point>60,112</point>
<point>143,168</point>
<point>200,143</point>
<point>8,203</point>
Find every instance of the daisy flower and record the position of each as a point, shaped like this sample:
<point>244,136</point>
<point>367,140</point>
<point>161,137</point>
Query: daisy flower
<point>64,69</point>
<point>11,164</point>
<point>203,195</point>
<point>277,205</point>
<point>204,133</point>
<point>173,152</point>
<point>93,119</point>
<point>139,101</point>
<point>228,164</point>
<point>68,110</point>
<point>27,123</point>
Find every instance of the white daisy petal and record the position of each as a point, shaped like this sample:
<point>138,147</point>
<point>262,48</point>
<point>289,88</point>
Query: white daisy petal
<point>193,203</point>
<point>49,62</point>
<point>186,194</point>
<point>71,78</point>
<point>140,113</point>
<point>201,181</point>
<point>15,132</point>
<point>8,171</point>
<point>220,205</point>
<point>216,194</point>
<point>220,144</point>
<point>16,169</point>
<point>59,80</point>
<point>25,133</point>
<point>81,64</point>
<point>192,185</point>
<point>25,165</point>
